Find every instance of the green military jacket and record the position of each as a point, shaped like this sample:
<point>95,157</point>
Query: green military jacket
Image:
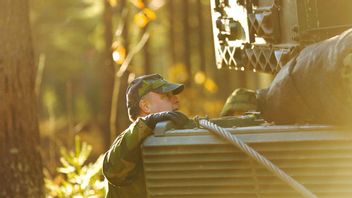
<point>123,167</point>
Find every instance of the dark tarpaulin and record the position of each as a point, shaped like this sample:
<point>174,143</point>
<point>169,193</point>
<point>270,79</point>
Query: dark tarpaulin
<point>314,87</point>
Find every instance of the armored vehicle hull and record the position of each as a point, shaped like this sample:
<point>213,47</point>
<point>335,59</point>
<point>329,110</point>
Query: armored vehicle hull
<point>196,163</point>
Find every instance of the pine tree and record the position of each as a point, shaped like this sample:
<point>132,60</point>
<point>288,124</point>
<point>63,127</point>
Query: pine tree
<point>20,161</point>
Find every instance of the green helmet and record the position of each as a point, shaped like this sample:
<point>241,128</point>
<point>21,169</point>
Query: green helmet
<point>241,100</point>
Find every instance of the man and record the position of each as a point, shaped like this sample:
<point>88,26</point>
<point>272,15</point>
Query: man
<point>150,99</point>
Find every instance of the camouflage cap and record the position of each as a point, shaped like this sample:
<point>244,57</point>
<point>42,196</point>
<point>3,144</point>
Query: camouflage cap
<point>145,84</point>
<point>240,101</point>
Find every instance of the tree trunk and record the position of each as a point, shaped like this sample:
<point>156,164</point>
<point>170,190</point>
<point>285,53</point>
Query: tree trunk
<point>20,161</point>
<point>107,74</point>
<point>186,40</point>
<point>119,116</point>
<point>122,117</point>
<point>146,53</point>
<point>202,66</point>
<point>172,31</point>
<point>122,121</point>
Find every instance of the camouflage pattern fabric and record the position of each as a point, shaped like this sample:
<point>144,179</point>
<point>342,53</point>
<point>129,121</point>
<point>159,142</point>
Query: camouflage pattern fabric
<point>122,165</point>
<point>240,101</point>
<point>144,84</point>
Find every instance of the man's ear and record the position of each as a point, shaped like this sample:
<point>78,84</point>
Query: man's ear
<point>144,106</point>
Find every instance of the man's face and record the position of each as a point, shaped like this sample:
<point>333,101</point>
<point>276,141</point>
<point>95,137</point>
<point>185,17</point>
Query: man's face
<point>160,102</point>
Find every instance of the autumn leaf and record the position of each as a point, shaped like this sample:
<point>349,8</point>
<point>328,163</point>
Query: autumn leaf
<point>119,53</point>
<point>143,17</point>
<point>140,19</point>
<point>200,77</point>
<point>112,3</point>
<point>150,14</point>
<point>210,86</point>
<point>138,3</point>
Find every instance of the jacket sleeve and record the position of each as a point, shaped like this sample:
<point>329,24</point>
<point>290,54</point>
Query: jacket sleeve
<point>122,160</point>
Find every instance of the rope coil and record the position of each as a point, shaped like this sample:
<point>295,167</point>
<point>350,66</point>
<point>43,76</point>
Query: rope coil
<point>258,157</point>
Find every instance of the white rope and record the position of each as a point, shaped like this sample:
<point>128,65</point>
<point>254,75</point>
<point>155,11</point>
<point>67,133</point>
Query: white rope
<point>258,157</point>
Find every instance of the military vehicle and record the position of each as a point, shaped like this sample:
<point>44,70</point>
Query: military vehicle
<point>301,160</point>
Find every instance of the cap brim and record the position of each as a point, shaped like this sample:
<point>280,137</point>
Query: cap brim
<point>170,87</point>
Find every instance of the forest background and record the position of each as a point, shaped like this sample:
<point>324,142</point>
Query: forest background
<point>80,45</point>
<point>86,52</point>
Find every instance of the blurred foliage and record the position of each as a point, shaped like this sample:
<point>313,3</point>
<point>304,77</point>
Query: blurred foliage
<point>192,103</point>
<point>74,86</point>
<point>143,17</point>
<point>70,35</point>
<point>76,178</point>
<point>74,51</point>
<point>192,98</point>
<point>138,3</point>
<point>119,52</point>
<point>178,73</point>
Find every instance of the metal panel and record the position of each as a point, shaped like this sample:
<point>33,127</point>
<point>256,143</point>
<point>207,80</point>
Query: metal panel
<point>194,163</point>
<point>247,32</point>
